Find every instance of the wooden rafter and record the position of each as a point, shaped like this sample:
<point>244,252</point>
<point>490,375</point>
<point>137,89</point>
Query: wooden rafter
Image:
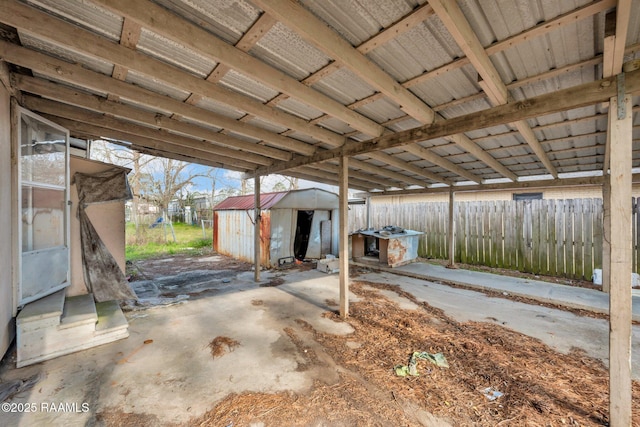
<point>75,114</point>
<point>37,22</point>
<point>163,22</point>
<point>567,99</point>
<point>615,37</point>
<point>317,33</point>
<point>458,26</point>
<point>256,153</point>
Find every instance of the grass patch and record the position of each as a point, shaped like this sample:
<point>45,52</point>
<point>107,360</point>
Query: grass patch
<point>144,242</point>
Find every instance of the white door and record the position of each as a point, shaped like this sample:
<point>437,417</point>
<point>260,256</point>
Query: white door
<point>43,194</point>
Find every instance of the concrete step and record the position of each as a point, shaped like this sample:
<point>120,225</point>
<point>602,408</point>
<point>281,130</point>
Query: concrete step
<point>110,318</point>
<point>78,310</point>
<point>77,324</point>
<point>42,313</point>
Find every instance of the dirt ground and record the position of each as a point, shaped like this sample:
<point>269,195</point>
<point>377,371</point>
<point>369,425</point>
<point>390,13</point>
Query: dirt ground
<point>539,386</point>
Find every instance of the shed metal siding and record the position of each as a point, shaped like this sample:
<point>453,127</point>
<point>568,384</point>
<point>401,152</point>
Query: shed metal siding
<point>233,234</point>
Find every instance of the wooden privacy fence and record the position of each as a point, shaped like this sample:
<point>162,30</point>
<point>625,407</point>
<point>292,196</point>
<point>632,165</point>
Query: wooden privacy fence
<point>551,237</point>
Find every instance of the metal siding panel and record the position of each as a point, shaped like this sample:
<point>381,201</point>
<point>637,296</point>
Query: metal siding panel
<point>344,86</point>
<point>228,19</point>
<point>281,242</point>
<point>86,14</point>
<point>245,85</point>
<point>174,53</point>
<point>288,52</point>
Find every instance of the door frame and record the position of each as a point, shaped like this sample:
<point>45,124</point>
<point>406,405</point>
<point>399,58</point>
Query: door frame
<point>16,115</point>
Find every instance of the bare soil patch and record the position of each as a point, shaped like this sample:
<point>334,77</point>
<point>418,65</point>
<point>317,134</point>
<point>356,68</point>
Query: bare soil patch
<point>540,386</point>
<point>153,268</point>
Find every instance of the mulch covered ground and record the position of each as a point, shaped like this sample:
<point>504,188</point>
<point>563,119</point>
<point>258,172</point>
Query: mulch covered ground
<point>540,386</point>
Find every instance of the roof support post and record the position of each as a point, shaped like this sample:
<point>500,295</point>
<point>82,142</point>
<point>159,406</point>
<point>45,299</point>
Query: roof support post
<point>256,229</point>
<point>368,203</point>
<point>343,177</point>
<point>452,240</point>
<point>619,274</point>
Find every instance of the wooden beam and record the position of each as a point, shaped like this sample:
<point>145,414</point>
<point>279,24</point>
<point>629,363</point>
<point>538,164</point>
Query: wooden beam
<point>329,174</point>
<point>615,36</point>
<point>167,24</point>
<point>327,40</point>
<point>620,271</point>
<point>343,212</point>
<point>174,151</point>
<point>361,176</point>
<point>615,43</point>
<point>129,37</point>
<point>219,141</point>
<point>476,151</point>
<point>503,186</point>
<point>405,180</point>
<point>30,19</point>
<point>72,113</point>
<point>452,229</point>
<point>259,28</point>
<point>531,139</point>
<point>313,177</point>
<point>567,99</point>
<point>408,22</point>
<point>257,220</point>
<point>5,79</point>
<point>423,153</point>
<point>316,32</point>
<point>457,24</point>
<point>393,161</point>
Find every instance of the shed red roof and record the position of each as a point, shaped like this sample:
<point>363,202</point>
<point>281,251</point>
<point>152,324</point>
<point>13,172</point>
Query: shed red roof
<point>267,201</point>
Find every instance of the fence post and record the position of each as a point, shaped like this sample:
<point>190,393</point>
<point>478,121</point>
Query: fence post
<point>452,240</point>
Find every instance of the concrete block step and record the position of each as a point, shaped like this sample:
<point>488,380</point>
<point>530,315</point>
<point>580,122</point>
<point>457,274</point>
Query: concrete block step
<point>81,324</point>
<point>42,313</point>
<point>78,310</point>
<point>110,318</point>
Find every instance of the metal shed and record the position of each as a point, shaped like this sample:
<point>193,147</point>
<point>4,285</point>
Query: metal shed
<point>297,224</point>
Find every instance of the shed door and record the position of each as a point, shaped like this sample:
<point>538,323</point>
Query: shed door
<point>314,249</point>
<point>43,192</point>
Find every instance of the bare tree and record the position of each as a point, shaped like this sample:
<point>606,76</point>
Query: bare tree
<point>153,179</point>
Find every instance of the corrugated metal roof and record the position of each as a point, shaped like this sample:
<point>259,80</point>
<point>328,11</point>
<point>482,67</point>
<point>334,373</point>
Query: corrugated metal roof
<point>267,201</point>
<point>174,53</point>
<point>413,55</point>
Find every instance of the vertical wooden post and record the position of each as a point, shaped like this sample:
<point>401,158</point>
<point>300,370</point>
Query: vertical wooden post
<point>256,229</point>
<point>606,228</point>
<point>368,201</point>
<point>343,177</point>
<point>620,130</point>
<point>452,241</point>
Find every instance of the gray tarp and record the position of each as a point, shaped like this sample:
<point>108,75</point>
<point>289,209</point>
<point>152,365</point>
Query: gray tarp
<point>102,274</point>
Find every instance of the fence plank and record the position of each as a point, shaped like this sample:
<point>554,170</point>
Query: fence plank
<point>543,237</point>
<point>588,214</point>
<point>534,246</point>
<point>597,235</point>
<point>560,235</point>
<point>557,237</point>
<point>568,243</point>
<point>552,239</point>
